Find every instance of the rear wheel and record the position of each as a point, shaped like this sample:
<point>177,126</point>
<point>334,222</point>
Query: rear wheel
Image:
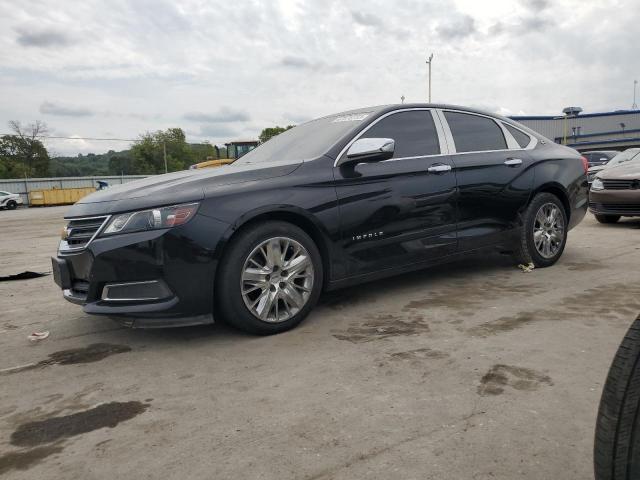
<point>12,205</point>
<point>543,235</point>
<point>607,218</point>
<point>617,443</point>
<point>270,278</point>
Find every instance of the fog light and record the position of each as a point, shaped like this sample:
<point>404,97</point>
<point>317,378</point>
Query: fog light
<point>136,291</point>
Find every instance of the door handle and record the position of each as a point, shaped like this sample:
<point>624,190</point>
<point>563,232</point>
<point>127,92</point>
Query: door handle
<point>513,162</point>
<point>439,168</point>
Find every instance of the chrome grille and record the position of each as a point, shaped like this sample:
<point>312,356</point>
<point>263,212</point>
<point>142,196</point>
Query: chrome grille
<point>621,184</point>
<point>80,231</point>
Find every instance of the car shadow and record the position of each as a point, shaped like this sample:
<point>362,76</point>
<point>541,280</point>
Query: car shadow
<point>631,222</point>
<point>220,332</point>
<point>486,263</point>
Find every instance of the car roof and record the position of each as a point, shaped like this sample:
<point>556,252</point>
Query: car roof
<point>379,110</point>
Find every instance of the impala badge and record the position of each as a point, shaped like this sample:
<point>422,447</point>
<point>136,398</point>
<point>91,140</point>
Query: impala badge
<point>367,236</point>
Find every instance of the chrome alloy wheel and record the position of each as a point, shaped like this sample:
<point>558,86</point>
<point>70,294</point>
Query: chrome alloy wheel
<point>277,279</point>
<point>548,230</point>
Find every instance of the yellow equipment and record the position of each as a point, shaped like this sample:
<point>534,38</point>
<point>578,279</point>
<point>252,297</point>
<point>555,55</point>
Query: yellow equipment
<point>212,163</point>
<point>58,196</point>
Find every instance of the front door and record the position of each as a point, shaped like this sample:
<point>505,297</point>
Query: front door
<point>400,211</point>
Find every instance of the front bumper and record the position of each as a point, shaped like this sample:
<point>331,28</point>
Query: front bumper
<point>160,278</point>
<point>615,202</point>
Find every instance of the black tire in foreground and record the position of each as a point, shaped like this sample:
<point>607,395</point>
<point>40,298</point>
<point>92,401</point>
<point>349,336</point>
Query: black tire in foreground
<point>607,218</point>
<point>12,205</point>
<point>269,279</point>
<point>617,440</point>
<point>543,235</point>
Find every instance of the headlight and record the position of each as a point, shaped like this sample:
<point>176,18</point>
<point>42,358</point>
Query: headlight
<point>597,184</point>
<point>165,217</point>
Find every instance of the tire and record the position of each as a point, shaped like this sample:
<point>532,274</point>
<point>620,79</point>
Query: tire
<point>607,218</point>
<point>288,309</point>
<point>12,205</point>
<point>616,452</point>
<point>526,250</point>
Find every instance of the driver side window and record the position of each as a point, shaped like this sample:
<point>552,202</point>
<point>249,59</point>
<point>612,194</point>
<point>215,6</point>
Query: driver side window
<point>413,131</point>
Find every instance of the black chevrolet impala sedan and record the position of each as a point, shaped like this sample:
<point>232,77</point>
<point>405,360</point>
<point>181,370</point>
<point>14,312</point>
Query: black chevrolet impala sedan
<point>336,201</point>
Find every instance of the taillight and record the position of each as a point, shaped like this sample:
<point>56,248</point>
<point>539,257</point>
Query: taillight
<point>585,164</point>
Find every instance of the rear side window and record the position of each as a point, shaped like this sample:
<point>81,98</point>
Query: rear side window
<point>414,133</point>
<point>472,133</point>
<point>522,138</point>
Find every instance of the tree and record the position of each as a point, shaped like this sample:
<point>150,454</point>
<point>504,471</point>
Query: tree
<point>23,154</point>
<point>120,165</point>
<point>271,132</point>
<point>149,153</point>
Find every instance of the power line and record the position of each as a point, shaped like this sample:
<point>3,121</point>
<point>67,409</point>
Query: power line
<point>95,138</point>
<point>81,138</point>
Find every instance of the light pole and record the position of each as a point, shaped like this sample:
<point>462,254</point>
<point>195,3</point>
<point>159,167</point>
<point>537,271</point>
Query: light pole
<point>635,105</point>
<point>402,98</point>
<point>429,63</point>
<point>164,154</point>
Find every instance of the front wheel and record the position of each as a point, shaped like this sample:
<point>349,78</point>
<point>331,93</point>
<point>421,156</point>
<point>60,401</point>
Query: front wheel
<point>12,205</point>
<point>269,279</point>
<point>607,218</point>
<point>543,235</point>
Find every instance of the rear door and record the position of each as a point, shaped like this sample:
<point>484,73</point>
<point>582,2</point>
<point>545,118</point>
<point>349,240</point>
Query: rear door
<point>494,175</point>
<point>399,211</point>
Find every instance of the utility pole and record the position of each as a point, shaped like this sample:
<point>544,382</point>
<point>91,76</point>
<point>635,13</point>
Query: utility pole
<point>402,98</point>
<point>429,63</point>
<point>164,151</point>
<point>635,105</point>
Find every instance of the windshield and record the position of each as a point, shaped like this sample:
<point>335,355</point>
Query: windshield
<point>626,156</point>
<point>309,140</point>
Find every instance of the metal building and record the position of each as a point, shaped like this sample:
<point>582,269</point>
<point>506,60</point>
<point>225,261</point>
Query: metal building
<point>617,130</point>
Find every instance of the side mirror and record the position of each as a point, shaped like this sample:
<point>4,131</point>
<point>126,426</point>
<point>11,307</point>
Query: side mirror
<point>604,159</point>
<point>369,150</point>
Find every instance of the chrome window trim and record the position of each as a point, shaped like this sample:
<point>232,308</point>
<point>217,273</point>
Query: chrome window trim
<point>393,112</point>
<point>451,146</point>
<point>445,137</point>
<point>532,144</point>
<point>512,144</point>
<point>105,292</point>
<point>62,249</point>
<point>533,141</point>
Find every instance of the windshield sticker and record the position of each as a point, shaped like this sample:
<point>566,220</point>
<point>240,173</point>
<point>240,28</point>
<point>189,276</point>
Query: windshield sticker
<point>354,117</point>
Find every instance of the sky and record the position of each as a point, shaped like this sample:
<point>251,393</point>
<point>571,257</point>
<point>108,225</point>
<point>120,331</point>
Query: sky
<point>225,70</point>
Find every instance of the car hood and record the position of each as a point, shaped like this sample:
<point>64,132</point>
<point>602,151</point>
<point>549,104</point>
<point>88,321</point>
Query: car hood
<point>628,171</point>
<point>174,188</point>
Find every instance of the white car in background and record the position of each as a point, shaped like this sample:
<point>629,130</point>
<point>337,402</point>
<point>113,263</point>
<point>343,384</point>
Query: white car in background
<point>9,201</point>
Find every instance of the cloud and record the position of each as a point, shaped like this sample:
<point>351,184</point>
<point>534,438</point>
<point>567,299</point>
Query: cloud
<point>223,115</point>
<point>50,108</point>
<point>522,25</point>
<point>367,19</point>
<point>43,38</point>
<point>536,5</point>
<point>216,131</point>
<point>282,61</point>
<point>372,21</point>
<point>459,27</point>
<point>299,63</point>
<point>536,23</point>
